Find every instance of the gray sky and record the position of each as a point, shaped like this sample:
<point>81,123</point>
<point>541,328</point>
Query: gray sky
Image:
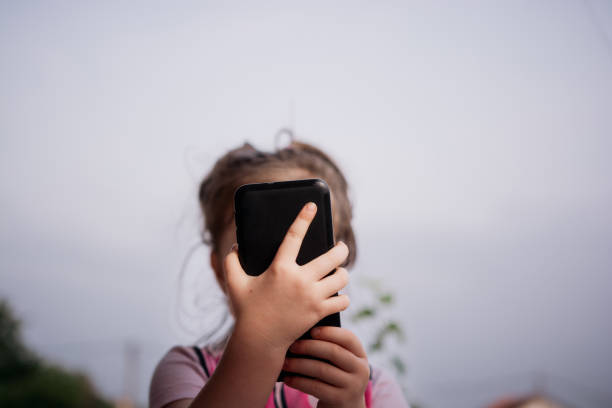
<point>476,138</point>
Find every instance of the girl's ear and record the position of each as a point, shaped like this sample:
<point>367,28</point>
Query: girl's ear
<point>217,266</point>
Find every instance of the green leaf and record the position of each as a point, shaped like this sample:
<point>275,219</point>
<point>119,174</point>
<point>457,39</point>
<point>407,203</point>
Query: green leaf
<point>376,346</point>
<point>399,365</point>
<point>393,327</point>
<point>364,313</point>
<point>386,298</point>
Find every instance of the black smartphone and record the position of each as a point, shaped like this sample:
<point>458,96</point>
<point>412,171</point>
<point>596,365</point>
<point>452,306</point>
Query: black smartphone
<point>265,211</point>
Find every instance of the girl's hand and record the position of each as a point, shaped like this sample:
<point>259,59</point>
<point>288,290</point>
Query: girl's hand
<point>282,303</point>
<point>342,381</point>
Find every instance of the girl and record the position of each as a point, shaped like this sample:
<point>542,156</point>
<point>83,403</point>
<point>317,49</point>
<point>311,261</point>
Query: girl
<point>272,310</point>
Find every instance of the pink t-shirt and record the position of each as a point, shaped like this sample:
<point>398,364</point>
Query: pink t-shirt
<point>180,374</point>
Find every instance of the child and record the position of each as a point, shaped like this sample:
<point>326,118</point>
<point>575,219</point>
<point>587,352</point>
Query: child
<point>272,310</point>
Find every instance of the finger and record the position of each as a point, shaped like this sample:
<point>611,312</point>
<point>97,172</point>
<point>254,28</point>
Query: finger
<point>320,370</point>
<point>234,274</point>
<point>313,387</point>
<point>290,247</point>
<point>327,262</point>
<point>341,337</point>
<point>326,350</point>
<point>333,283</point>
<point>335,304</point>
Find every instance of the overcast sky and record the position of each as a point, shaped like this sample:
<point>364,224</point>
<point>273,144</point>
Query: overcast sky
<point>476,137</point>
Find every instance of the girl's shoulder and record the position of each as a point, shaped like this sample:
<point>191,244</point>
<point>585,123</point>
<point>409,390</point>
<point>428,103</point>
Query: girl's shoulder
<point>181,374</point>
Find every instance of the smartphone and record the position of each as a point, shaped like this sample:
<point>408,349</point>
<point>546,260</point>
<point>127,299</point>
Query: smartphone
<point>264,212</point>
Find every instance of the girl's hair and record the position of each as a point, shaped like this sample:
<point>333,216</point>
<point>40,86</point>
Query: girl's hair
<point>246,164</point>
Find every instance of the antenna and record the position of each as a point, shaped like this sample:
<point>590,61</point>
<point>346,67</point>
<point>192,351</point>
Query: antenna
<point>131,360</point>
<point>291,122</point>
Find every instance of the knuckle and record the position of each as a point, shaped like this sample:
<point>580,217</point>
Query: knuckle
<point>323,370</point>
<point>335,398</point>
<point>345,302</point>
<point>228,261</point>
<point>317,388</point>
<point>306,214</point>
<point>337,255</point>
<point>324,309</point>
<point>323,331</point>
<point>335,352</point>
<point>352,337</point>
<point>303,216</point>
<point>300,347</point>
<point>289,364</point>
<point>299,284</point>
<point>279,267</point>
<point>293,233</point>
<point>319,309</point>
<point>343,276</point>
<point>365,368</point>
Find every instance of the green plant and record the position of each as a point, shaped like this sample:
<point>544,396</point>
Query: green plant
<point>382,299</point>
<point>26,380</point>
<point>379,313</point>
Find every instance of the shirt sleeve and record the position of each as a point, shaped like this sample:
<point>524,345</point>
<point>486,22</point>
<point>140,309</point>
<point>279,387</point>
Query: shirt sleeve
<point>177,376</point>
<point>386,392</point>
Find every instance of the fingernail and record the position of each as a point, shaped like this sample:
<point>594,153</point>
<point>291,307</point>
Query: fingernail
<point>311,206</point>
<point>315,332</point>
<point>234,247</point>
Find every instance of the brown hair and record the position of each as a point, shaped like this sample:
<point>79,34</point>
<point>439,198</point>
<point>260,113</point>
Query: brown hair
<point>246,164</point>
